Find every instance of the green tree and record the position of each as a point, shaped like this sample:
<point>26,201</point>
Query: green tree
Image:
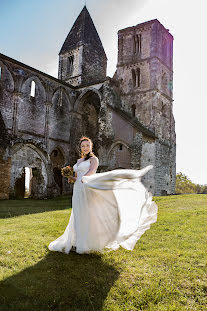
<point>185,185</point>
<point>204,189</point>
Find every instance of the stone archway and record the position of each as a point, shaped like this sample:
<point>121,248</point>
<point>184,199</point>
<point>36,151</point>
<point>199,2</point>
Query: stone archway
<point>119,156</point>
<point>90,123</point>
<point>87,110</point>
<point>28,155</point>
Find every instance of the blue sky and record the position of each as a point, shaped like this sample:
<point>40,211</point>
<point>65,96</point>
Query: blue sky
<point>33,32</point>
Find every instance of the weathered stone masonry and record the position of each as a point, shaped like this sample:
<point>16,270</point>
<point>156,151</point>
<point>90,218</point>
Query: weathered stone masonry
<point>129,117</point>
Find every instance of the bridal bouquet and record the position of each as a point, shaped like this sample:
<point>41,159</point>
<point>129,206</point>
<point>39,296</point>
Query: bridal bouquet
<point>67,171</point>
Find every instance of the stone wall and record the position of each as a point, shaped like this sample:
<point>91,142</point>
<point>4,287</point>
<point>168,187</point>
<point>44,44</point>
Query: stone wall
<point>148,158</point>
<point>5,167</point>
<point>164,168</point>
<point>42,119</point>
<point>126,43</point>
<point>73,77</point>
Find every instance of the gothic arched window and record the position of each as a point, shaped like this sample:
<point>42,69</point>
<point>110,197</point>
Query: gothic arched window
<point>133,107</point>
<point>32,92</point>
<point>134,45</point>
<point>70,64</point>
<point>133,77</point>
<point>55,153</point>
<point>137,43</point>
<point>60,100</point>
<point>138,77</point>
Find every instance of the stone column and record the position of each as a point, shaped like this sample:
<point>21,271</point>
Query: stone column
<point>17,97</point>
<point>46,131</point>
<point>136,151</point>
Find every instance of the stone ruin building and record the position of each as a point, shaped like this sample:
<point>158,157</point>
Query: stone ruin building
<point>129,117</point>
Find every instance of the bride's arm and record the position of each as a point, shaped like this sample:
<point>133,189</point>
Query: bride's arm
<point>72,178</point>
<point>93,166</point>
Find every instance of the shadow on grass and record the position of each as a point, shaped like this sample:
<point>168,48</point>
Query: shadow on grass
<point>60,282</point>
<point>12,208</point>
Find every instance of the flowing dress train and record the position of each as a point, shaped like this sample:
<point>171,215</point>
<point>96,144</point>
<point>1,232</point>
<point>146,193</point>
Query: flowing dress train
<point>109,210</point>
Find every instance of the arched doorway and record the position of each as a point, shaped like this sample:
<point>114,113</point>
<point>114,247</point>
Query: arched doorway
<point>19,187</point>
<point>119,156</point>
<point>88,108</point>
<point>26,158</point>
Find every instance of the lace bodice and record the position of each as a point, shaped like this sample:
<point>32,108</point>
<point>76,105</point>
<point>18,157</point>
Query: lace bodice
<point>81,169</point>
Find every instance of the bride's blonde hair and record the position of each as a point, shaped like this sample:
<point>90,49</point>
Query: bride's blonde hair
<point>90,154</point>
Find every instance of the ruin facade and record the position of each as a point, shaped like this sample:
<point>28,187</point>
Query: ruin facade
<point>129,117</point>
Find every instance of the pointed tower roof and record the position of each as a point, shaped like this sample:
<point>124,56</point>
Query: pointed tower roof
<point>83,32</point>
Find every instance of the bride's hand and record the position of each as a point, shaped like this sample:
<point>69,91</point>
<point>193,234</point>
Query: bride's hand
<point>70,179</point>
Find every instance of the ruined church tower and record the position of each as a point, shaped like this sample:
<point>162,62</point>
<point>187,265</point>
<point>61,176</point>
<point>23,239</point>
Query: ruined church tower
<point>145,78</point>
<point>82,59</point>
<point>145,75</point>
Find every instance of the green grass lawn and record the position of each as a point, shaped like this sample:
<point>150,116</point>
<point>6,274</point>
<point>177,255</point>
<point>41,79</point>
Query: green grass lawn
<point>167,270</point>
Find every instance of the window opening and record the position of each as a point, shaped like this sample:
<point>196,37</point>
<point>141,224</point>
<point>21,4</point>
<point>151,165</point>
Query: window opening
<point>138,77</point>
<point>133,77</point>
<point>28,177</point>
<point>133,110</point>
<point>55,153</point>
<point>70,64</point>
<point>137,43</point>
<point>32,89</point>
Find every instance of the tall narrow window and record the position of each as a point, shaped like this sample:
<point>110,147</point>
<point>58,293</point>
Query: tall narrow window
<point>133,107</point>
<point>137,44</point>
<point>134,45</point>
<point>61,69</point>
<point>70,64</point>
<point>0,73</point>
<point>133,77</point>
<point>60,101</point>
<point>28,177</point>
<point>55,153</point>
<point>164,47</point>
<point>138,77</point>
<point>32,93</point>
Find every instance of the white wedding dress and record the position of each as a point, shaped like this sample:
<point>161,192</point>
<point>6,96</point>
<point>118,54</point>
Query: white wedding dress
<point>109,210</point>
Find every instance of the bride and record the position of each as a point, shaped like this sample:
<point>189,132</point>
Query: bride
<point>109,209</point>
